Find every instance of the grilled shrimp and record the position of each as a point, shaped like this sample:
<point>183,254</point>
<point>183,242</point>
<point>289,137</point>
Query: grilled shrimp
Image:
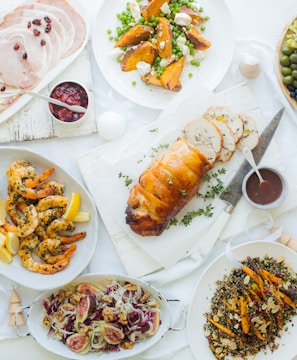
<point>52,201</point>
<point>52,250</point>
<point>45,218</point>
<point>58,188</point>
<point>17,182</point>
<point>38,179</point>
<point>26,251</point>
<point>58,225</point>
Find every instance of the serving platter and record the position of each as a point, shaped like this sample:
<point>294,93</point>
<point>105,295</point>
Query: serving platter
<point>205,289</point>
<point>57,347</point>
<point>58,69</point>
<point>210,73</point>
<point>278,67</point>
<point>85,248</point>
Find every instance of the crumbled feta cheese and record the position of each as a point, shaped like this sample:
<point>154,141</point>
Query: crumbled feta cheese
<point>166,62</point>
<point>135,11</point>
<point>117,53</point>
<point>181,43</point>
<point>165,9</point>
<point>143,68</point>
<point>183,19</point>
<point>162,45</point>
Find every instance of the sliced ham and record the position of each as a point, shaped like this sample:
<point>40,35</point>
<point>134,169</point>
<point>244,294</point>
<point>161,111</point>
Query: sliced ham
<point>34,38</point>
<point>76,19</point>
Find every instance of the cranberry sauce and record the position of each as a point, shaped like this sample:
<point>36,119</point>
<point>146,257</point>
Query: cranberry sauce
<point>72,94</point>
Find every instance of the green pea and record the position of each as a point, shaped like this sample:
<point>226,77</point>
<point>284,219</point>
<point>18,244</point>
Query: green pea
<point>295,84</point>
<point>286,50</point>
<point>293,58</point>
<point>293,66</point>
<point>288,80</point>
<point>286,71</point>
<point>285,60</point>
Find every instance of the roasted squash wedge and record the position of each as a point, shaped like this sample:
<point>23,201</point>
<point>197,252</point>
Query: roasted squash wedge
<point>135,35</point>
<point>145,51</point>
<point>199,42</point>
<point>172,73</point>
<point>195,16</point>
<point>164,38</point>
<point>152,9</point>
<point>169,80</point>
<point>152,79</point>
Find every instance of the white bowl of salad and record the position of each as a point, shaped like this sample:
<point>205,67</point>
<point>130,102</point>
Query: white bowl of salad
<point>114,316</point>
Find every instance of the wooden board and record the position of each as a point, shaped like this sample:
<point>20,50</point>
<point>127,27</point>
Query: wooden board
<point>33,122</point>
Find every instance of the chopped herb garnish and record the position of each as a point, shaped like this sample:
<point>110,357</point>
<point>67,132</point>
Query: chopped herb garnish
<point>128,180</point>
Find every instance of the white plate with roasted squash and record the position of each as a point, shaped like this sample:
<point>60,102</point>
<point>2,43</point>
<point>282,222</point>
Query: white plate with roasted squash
<point>46,278</point>
<point>149,53</point>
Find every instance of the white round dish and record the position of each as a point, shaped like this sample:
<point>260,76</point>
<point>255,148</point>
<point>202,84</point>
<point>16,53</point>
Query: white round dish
<point>40,333</point>
<point>62,65</point>
<point>210,73</point>
<point>205,289</point>
<point>85,248</point>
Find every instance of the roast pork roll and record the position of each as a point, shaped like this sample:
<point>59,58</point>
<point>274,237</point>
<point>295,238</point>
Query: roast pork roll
<point>165,187</point>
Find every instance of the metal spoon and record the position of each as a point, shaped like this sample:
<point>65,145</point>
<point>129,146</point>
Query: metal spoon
<point>74,108</point>
<point>265,186</point>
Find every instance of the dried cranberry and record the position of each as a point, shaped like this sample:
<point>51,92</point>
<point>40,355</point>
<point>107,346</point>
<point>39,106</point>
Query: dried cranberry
<point>42,42</point>
<point>16,47</point>
<point>36,32</point>
<point>48,28</point>
<point>47,19</point>
<point>36,22</point>
<point>25,55</point>
<point>29,24</point>
<point>3,88</point>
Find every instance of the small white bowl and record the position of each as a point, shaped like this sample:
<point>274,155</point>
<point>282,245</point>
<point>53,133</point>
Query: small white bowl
<point>279,184</point>
<point>61,91</point>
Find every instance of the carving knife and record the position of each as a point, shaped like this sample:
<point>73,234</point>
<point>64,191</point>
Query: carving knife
<point>231,198</point>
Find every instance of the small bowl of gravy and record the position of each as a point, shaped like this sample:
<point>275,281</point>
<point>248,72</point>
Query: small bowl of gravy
<point>265,197</point>
<point>71,93</point>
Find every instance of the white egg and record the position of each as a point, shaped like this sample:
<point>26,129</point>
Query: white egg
<point>111,125</point>
<point>249,66</point>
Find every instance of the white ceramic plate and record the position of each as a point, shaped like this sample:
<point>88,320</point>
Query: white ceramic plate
<point>53,73</point>
<point>205,289</point>
<point>210,73</point>
<point>85,248</point>
<point>40,333</point>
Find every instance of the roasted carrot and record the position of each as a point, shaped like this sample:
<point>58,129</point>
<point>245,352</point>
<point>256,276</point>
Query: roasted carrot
<point>222,328</point>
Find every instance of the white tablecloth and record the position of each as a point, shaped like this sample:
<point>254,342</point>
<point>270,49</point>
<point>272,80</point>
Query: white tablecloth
<point>256,20</point>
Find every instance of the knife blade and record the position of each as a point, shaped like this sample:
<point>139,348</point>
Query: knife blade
<point>232,197</point>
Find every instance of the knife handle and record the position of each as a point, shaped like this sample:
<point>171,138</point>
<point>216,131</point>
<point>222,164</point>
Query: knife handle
<point>213,235</point>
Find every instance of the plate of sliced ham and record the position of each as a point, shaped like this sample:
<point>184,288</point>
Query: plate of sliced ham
<point>39,39</point>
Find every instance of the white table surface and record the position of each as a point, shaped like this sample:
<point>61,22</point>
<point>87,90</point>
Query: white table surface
<point>258,20</point>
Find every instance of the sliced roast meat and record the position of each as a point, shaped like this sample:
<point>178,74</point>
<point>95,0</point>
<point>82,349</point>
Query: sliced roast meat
<point>250,136</point>
<point>205,136</point>
<point>226,115</point>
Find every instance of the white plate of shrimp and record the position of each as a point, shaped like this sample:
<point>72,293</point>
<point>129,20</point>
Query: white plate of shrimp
<point>53,251</point>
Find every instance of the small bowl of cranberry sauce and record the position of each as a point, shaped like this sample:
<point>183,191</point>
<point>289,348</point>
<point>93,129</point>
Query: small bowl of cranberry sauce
<point>71,93</point>
<point>274,195</point>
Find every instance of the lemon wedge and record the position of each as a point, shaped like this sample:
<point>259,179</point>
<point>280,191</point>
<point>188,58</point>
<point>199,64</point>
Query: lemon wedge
<point>2,212</point>
<point>2,240</point>
<point>82,216</point>
<point>5,255</point>
<point>72,207</point>
<point>12,242</point>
